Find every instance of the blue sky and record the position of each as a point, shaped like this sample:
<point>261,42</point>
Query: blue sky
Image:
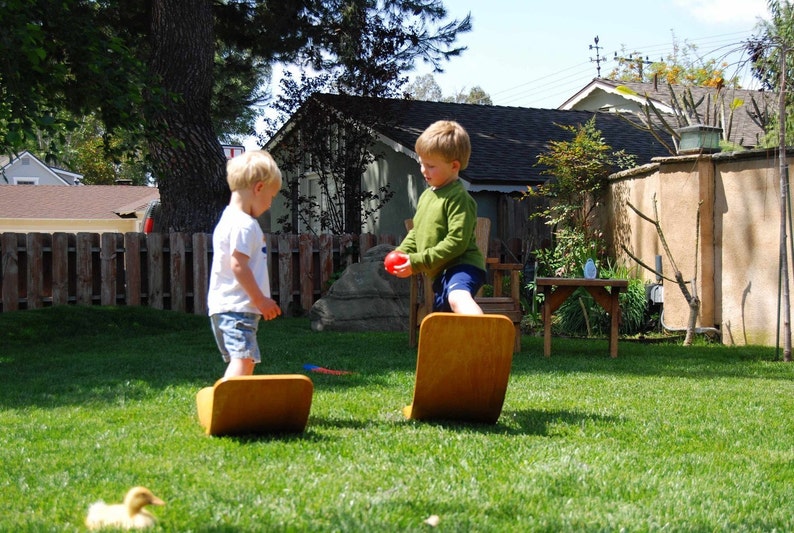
<point>536,53</point>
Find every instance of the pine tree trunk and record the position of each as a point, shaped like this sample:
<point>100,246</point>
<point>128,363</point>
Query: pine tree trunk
<point>189,163</point>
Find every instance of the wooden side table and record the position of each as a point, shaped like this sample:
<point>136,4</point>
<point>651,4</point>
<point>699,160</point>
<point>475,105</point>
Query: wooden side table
<point>604,291</point>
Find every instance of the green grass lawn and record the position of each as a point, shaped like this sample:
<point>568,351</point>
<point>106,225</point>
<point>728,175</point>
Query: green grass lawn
<point>96,400</point>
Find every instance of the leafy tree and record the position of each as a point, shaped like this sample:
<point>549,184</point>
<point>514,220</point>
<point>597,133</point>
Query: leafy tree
<point>87,152</point>
<point>425,88</point>
<point>683,66</point>
<point>373,55</point>
<point>710,109</point>
<point>579,169</point>
<point>330,146</point>
<point>476,95</point>
<point>769,49</point>
<point>149,67</point>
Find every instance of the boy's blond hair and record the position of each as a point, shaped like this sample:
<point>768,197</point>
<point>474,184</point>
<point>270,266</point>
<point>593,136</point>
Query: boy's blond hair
<point>251,167</point>
<point>445,138</point>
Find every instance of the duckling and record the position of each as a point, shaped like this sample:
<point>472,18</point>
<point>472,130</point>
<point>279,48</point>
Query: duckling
<point>128,515</point>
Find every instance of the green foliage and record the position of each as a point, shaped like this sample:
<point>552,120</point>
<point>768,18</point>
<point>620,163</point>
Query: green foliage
<point>685,65</point>
<point>774,38</point>
<point>569,254</point>
<point>580,314</point>
<point>579,168</point>
<point>663,437</point>
<point>178,72</point>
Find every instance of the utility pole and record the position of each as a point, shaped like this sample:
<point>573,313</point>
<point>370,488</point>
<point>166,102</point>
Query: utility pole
<point>598,58</point>
<point>784,200</point>
<point>638,62</point>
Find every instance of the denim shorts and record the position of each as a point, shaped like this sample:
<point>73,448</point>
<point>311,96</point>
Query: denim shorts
<point>235,334</point>
<point>460,277</point>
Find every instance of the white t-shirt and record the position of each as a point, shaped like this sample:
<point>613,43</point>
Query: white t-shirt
<point>236,231</point>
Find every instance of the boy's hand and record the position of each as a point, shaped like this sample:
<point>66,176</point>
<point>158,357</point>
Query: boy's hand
<point>269,309</point>
<point>402,269</point>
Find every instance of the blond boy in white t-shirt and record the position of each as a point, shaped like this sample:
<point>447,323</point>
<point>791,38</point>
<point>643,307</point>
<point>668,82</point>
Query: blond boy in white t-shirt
<point>239,291</point>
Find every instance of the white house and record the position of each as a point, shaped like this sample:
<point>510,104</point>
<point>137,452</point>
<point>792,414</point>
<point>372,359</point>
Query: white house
<point>27,169</point>
<point>734,110</point>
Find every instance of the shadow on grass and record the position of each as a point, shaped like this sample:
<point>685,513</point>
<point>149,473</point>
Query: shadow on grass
<point>77,355</point>
<point>668,360</point>
<point>517,423</point>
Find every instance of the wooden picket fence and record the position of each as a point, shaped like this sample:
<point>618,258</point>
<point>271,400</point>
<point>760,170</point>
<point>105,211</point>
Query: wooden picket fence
<point>163,271</point>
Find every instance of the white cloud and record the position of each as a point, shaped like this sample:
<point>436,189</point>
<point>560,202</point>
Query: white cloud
<point>725,11</point>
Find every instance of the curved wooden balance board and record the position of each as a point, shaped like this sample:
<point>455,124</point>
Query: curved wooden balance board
<point>256,404</point>
<point>462,367</point>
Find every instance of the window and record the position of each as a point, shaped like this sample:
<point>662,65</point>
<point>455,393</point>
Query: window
<point>26,181</point>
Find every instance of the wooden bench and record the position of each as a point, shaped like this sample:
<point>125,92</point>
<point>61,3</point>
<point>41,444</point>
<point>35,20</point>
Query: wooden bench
<point>604,291</point>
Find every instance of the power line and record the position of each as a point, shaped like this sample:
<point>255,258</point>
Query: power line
<point>552,83</point>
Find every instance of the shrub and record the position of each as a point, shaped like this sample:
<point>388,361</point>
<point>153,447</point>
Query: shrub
<point>581,315</point>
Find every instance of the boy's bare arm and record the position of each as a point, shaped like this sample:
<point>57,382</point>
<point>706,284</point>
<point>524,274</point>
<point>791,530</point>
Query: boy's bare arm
<point>267,306</point>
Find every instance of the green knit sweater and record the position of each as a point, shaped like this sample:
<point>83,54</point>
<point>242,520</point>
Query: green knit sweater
<point>443,232</point>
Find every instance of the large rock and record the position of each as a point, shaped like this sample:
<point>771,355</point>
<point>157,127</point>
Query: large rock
<point>364,298</point>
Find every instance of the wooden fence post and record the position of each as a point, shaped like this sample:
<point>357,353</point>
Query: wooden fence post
<point>10,271</point>
<point>84,268</point>
<point>285,273</point>
<point>60,268</point>
<point>35,270</point>
<point>201,271</point>
<point>132,268</point>
<point>107,258</point>
<point>326,252</point>
<point>178,271</point>
<point>154,252</point>
<point>305,260</point>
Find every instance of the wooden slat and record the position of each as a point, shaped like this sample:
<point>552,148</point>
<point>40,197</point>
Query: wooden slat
<point>35,270</point>
<point>326,251</point>
<point>285,273</point>
<point>84,268</point>
<point>178,271</point>
<point>10,271</point>
<point>305,245</point>
<point>107,258</point>
<point>132,268</point>
<point>156,270</point>
<point>60,268</point>
<point>365,242</point>
<point>201,269</point>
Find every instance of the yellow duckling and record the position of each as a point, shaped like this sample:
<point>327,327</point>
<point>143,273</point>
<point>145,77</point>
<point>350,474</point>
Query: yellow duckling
<point>128,515</point>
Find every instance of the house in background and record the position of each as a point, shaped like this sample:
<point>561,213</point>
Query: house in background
<point>87,208</point>
<point>27,169</point>
<point>731,109</point>
<point>506,142</point>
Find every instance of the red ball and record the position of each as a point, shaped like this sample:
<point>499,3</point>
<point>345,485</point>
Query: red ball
<point>391,260</point>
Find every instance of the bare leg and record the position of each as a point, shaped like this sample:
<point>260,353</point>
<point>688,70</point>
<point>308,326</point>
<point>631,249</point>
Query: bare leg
<point>462,302</point>
<point>240,367</point>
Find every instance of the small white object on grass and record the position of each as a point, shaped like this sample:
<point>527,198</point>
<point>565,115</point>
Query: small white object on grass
<point>433,520</point>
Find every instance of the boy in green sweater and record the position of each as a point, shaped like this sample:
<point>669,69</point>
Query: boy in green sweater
<point>442,243</point>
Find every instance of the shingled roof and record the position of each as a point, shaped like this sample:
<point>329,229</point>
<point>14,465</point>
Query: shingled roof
<point>506,141</point>
<point>744,130</point>
<point>97,202</point>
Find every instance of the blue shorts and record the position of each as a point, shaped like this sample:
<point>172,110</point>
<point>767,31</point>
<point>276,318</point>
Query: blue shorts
<point>235,334</point>
<point>456,278</point>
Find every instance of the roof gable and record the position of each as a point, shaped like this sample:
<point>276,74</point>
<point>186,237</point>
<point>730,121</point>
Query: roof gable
<point>27,165</point>
<point>606,95</point>
<point>505,140</point>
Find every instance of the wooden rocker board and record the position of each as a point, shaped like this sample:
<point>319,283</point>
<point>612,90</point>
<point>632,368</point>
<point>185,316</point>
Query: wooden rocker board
<point>255,404</point>
<point>462,367</point>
